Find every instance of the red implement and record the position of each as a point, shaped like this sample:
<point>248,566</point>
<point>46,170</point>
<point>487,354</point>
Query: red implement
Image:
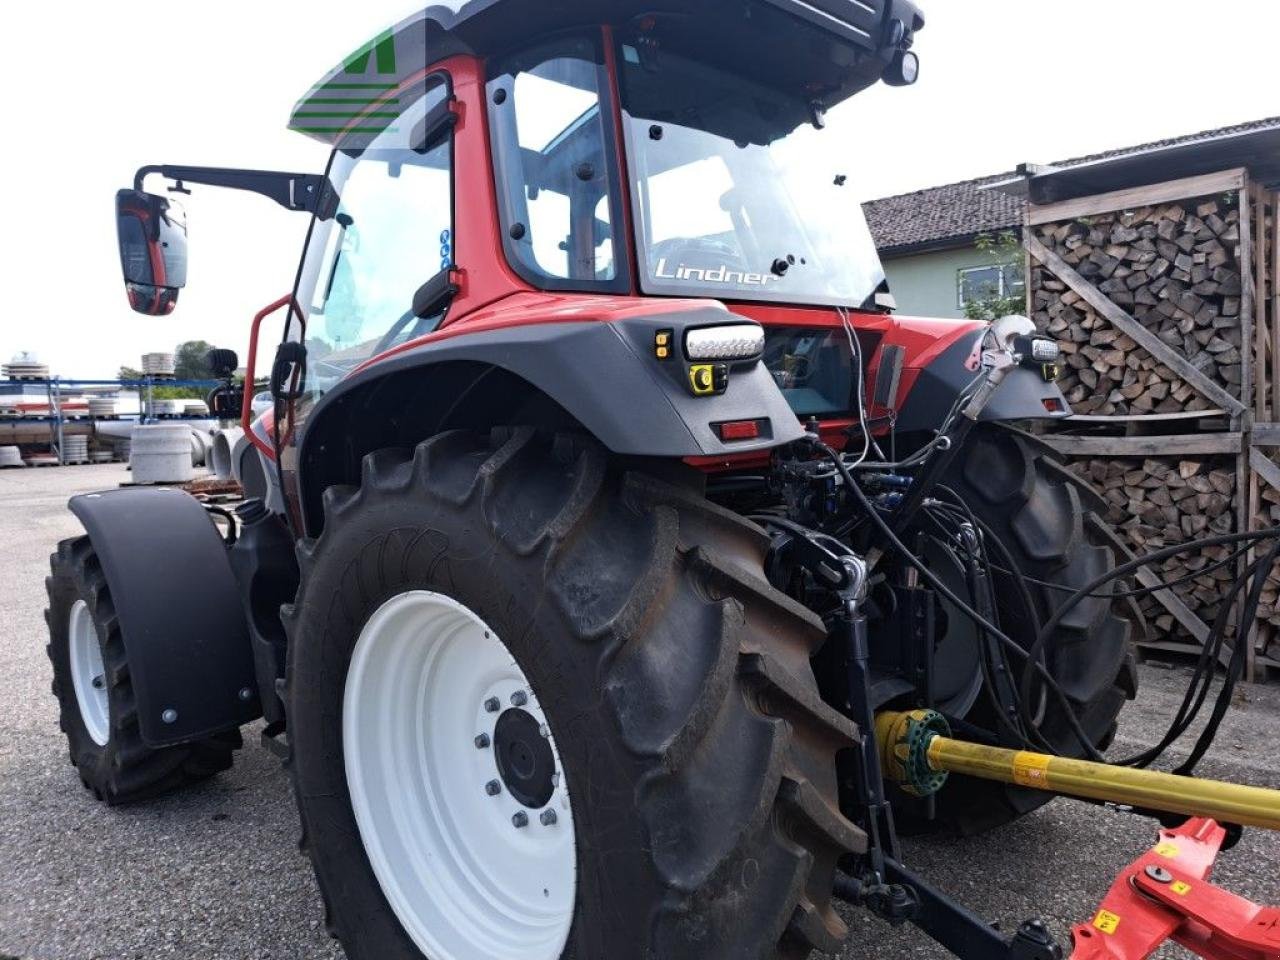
<point>1165,895</point>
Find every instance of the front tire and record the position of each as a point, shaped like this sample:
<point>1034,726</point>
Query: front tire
<point>96,706</point>
<point>698,760</point>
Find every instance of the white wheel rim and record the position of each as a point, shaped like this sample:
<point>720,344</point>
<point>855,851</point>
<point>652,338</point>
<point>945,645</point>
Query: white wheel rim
<point>463,879</point>
<point>88,676</point>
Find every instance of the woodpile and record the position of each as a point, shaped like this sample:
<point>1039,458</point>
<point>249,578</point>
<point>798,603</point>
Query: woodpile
<point>1156,503</point>
<point>1173,267</point>
<point>1268,640</point>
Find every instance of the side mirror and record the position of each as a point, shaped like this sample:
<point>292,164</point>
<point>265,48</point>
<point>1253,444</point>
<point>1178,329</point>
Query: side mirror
<point>152,233</point>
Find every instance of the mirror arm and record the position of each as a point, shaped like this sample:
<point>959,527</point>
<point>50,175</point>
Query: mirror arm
<point>309,193</point>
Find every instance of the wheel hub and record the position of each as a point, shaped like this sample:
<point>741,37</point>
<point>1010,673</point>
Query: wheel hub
<point>526,762</point>
<point>456,785</point>
<point>88,674</point>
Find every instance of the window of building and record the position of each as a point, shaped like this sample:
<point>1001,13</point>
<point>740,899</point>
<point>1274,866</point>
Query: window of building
<point>985,283</point>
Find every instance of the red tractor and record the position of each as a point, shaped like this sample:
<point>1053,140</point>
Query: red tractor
<point>610,503</point>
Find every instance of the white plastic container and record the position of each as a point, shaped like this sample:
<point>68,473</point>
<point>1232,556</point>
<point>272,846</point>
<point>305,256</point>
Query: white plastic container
<point>161,453</point>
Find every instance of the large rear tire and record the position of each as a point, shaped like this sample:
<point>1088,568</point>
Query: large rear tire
<point>1052,524</point>
<point>698,762</point>
<point>96,706</point>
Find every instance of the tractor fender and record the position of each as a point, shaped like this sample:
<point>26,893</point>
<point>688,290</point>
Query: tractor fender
<point>1024,394</point>
<point>606,375</point>
<point>185,636</point>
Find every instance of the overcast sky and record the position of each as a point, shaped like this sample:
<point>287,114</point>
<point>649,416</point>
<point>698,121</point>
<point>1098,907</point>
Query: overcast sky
<point>97,89</point>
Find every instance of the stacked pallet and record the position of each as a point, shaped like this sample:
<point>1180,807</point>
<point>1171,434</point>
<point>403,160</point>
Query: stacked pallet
<point>1175,268</point>
<point>1156,503</point>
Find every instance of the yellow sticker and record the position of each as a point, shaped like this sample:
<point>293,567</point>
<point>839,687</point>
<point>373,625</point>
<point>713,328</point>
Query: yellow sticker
<point>1031,769</point>
<point>1180,888</point>
<point>1106,921</point>
<point>1167,850</point>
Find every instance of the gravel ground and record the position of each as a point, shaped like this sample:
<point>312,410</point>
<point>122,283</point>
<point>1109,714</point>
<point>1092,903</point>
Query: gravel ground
<point>215,873</point>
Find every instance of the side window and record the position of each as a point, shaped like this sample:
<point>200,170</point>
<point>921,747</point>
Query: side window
<point>554,163</point>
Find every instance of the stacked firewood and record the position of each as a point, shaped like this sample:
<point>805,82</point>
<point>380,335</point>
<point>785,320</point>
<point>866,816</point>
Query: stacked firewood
<point>1156,503</point>
<point>1268,515</point>
<point>1174,268</point>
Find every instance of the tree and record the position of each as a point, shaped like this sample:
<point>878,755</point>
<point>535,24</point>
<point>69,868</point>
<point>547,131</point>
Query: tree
<point>1007,294</point>
<point>128,373</point>
<point>189,362</point>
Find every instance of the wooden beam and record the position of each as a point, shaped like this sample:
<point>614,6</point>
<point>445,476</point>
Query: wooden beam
<point>1266,434</point>
<point>1275,306</point>
<point>1167,192</point>
<point>1262,338</point>
<point>1183,445</point>
<point>1264,467</point>
<point>1162,352</point>
<point>1246,299</point>
<point>1181,612</point>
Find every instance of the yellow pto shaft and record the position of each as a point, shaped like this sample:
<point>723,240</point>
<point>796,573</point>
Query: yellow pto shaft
<point>916,754</point>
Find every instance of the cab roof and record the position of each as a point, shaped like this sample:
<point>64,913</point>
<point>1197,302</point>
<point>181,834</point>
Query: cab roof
<point>823,50</point>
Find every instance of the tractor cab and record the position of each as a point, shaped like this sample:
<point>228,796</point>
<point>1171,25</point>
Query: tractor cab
<point>610,150</point>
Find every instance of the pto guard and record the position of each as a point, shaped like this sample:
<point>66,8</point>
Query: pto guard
<point>180,615</point>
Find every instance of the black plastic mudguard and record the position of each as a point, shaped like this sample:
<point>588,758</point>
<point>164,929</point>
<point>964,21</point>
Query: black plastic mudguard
<point>1024,394</point>
<point>184,631</point>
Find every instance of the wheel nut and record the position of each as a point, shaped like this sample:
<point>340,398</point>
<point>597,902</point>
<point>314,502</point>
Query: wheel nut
<point>493,788</point>
<point>521,819</point>
<point>545,731</point>
<point>98,682</point>
<point>519,698</point>
<point>482,741</point>
<point>492,705</point>
<point>170,716</point>
<point>548,818</point>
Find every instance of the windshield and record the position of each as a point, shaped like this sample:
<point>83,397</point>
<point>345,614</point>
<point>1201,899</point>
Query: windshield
<point>393,231</point>
<point>733,197</point>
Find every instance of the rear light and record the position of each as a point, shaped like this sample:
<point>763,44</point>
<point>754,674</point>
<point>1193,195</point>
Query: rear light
<point>740,430</point>
<point>732,342</point>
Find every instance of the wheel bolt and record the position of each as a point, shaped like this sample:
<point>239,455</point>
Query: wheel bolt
<point>98,683</point>
<point>492,705</point>
<point>493,788</point>
<point>169,716</point>
<point>519,698</point>
<point>521,819</point>
<point>548,818</point>
<point>482,741</point>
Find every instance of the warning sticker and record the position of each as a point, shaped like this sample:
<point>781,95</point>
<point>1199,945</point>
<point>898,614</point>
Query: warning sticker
<point>1167,850</point>
<point>1180,888</point>
<point>1031,769</point>
<point>1106,921</point>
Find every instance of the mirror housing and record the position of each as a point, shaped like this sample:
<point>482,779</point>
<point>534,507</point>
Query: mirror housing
<point>152,234</point>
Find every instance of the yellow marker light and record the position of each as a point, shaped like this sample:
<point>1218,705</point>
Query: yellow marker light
<point>702,380</point>
<point>662,342</point>
<point>663,352</point>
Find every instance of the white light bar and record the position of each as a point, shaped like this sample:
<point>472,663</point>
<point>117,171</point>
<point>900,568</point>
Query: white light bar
<point>737,341</point>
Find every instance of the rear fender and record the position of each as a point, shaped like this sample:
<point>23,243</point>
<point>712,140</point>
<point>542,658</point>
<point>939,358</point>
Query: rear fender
<point>602,376</point>
<point>184,631</point>
<point>934,376</point>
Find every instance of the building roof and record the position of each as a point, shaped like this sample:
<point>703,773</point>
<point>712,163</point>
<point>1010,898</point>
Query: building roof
<point>954,214</point>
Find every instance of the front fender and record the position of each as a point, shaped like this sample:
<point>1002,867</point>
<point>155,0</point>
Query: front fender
<point>181,620</point>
